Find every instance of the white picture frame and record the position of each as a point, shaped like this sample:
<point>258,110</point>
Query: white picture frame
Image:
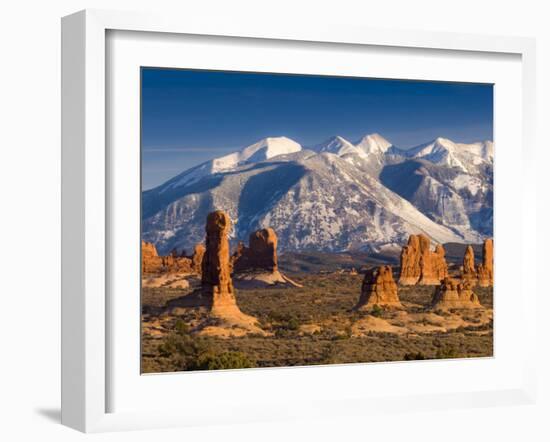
<point>85,202</point>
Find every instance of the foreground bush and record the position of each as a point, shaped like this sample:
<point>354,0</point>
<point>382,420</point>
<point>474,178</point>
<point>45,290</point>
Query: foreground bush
<point>224,361</point>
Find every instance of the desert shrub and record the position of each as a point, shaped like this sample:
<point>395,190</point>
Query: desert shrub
<point>182,345</point>
<point>292,324</point>
<point>181,327</point>
<point>414,356</point>
<point>183,348</point>
<point>223,361</point>
<point>286,326</point>
<point>376,310</point>
<point>446,352</point>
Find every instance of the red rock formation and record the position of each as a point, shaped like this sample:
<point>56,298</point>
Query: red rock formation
<point>469,272</point>
<point>152,263</point>
<point>378,288</point>
<point>263,248</point>
<point>261,254</point>
<point>217,284</point>
<point>238,256</point>
<point>485,270</point>
<point>410,262</point>
<point>453,294</point>
<point>433,267</point>
<point>468,265</point>
<point>441,268</point>
<point>198,255</point>
<point>420,265</point>
<point>217,293</point>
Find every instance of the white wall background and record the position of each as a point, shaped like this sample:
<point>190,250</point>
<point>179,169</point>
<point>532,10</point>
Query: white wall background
<point>30,214</point>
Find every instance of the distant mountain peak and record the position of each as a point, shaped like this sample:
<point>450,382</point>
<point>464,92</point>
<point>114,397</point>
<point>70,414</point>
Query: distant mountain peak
<point>374,143</point>
<point>268,148</point>
<point>337,145</point>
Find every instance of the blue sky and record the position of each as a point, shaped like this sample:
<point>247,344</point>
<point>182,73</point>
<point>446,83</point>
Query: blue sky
<point>191,116</point>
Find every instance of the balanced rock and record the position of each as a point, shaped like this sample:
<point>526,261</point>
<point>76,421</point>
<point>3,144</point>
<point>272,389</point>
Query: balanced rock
<point>261,252</point>
<point>485,270</point>
<point>421,265</point>
<point>256,266</point>
<point>454,294</point>
<point>379,288</point>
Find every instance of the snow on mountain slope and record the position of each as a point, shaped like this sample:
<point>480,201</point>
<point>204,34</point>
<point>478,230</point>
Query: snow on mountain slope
<point>262,150</point>
<point>335,196</point>
<point>445,152</point>
<point>373,144</point>
<point>338,146</point>
<point>440,151</point>
<point>448,195</point>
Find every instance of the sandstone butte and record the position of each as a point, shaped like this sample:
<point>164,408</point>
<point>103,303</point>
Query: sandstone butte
<point>421,265</point>
<point>260,254</point>
<point>378,288</point>
<point>256,265</point>
<point>485,269</point>
<point>469,265</point>
<point>152,263</point>
<point>216,283</point>
<point>217,293</point>
<point>481,274</point>
<point>453,294</point>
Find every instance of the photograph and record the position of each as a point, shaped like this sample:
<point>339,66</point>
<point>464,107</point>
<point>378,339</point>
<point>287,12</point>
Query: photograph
<point>292,220</point>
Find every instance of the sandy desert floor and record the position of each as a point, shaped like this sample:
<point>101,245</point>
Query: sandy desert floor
<point>313,325</point>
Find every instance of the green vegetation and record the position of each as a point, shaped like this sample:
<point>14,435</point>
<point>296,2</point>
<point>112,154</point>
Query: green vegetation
<point>377,310</point>
<point>223,361</point>
<point>188,352</point>
<point>324,305</point>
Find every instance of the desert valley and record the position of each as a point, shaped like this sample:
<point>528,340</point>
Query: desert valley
<point>221,310</point>
<point>337,253</point>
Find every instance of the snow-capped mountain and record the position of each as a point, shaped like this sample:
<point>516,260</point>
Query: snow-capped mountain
<point>451,183</point>
<point>339,146</point>
<point>262,150</point>
<point>333,196</point>
<point>444,152</point>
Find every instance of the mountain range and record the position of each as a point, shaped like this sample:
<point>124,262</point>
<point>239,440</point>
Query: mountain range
<point>339,195</point>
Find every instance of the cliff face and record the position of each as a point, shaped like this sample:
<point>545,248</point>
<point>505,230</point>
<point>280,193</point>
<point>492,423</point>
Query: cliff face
<point>420,265</point>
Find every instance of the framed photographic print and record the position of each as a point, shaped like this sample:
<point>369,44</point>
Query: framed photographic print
<point>251,213</point>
